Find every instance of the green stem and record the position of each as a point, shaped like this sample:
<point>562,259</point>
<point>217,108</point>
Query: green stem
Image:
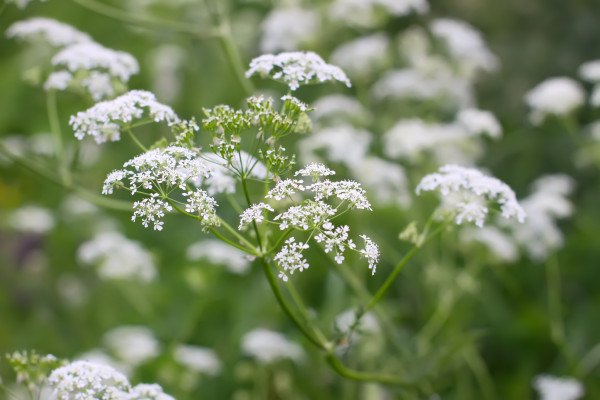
<point>481,373</point>
<point>53,119</point>
<point>145,21</point>
<point>302,309</point>
<point>233,56</point>
<point>381,292</point>
<point>254,224</point>
<point>588,362</point>
<point>554,301</point>
<point>280,240</point>
<point>288,309</point>
<point>135,139</point>
<point>237,235</point>
<point>229,242</point>
<point>337,365</point>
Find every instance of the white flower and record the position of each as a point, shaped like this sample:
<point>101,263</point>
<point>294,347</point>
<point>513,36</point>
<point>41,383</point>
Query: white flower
<point>590,71</point>
<point>595,96</point>
<point>363,56</point>
<point>385,180</point>
<point>198,359</point>
<point>350,191</point>
<point>166,64</point>
<point>499,243</point>
<point>371,253</point>
<point>290,258</point>
<point>478,122</point>
<point>254,213</point>
<point>199,202</point>
<point>58,80</point>
<point>145,391</point>
<point>285,29</point>
<point>133,345</point>
<point>83,380</point>
<point>368,322</point>
<point>217,252</point>
<point>465,44</point>
<point>53,32</point>
<point>151,210</point>
<point>296,68</point>
<point>268,346</point>
<point>315,170</point>
<point>31,219</point>
<point>104,119</point>
<point>308,215</point>
<point>98,84</point>
<point>363,13</point>
<point>118,257</point>
<point>554,96</point>
<point>342,143</point>
<point>467,192</point>
<point>553,388</point>
<point>285,188</point>
<point>223,173</point>
<point>335,238</point>
<point>339,108</point>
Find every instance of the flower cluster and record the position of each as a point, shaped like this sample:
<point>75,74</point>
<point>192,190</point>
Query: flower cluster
<point>48,30</point>
<point>104,120</point>
<point>296,68</point>
<point>160,171</point>
<point>554,96</point>
<point>268,346</point>
<point>467,192</point>
<point>553,388</point>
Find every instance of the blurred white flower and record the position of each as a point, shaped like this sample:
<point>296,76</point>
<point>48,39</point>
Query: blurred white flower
<point>166,63</point>
<point>47,30</point>
<point>217,252</point>
<point>296,68</point>
<point>363,13</point>
<point>98,356</point>
<point>466,45</point>
<point>335,109</point>
<point>342,143</point>
<point>590,71</point>
<point>554,96</point>
<point>595,96</point>
<point>286,29</point>
<point>31,219</point>
<point>497,242</point>
<point>268,346</point>
<point>133,345</point>
<point>554,388</point>
<point>368,323</point>
<point>466,193</point>
<point>145,391</point>
<point>385,180</point>
<point>363,56</point>
<point>478,122</point>
<point>198,359</point>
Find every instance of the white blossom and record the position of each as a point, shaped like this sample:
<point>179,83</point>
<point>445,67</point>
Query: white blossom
<point>555,388</point>
<point>104,120</point>
<point>554,96</point>
<point>342,143</point>
<point>363,13</point>
<point>198,359</point>
<point>285,188</point>
<point>363,56</point>
<point>290,258</point>
<point>465,44</point>
<point>98,356</point>
<point>308,215</point>
<point>478,122</point>
<point>350,191</point>
<point>315,170</point>
<point>384,180</point>
<point>31,219</point>
<point>83,380</point>
<point>200,203</point>
<point>335,238</point>
<point>254,213</point>
<point>217,252</point>
<point>296,68</point>
<point>98,84</point>
<point>118,257</point>
<point>151,210</point>
<point>53,32</point>
<point>466,192</point>
<point>267,346</point>
<point>58,80</point>
<point>133,345</point>
<point>339,108</point>
<point>590,71</point>
<point>285,29</point>
<point>371,253</point>
<point>145,391</point>
<point>498,242</point>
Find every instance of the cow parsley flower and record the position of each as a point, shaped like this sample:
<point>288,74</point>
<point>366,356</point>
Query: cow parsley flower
<point>200,203</point>
<point>83,380</point>
<point>554,96</point>
<point>133,345</point>
<point>285,188</point>
<point>384,180</point>
<point>478,122</point>
<point>296,68</point>
<point>342,143</point>
<point>198,359</point>
<point>267,346</point>
<point>146,391</point>
<point>58,80</point>
<point>254,213</point>
<point>285,29</point>
<point>104,120</point>
<point>590,71</point>
<point>290,258</point>
<point>553,388</point>
<point>53,32</point>
<point>151,210</point>
<point>467,192</point>
<point>350,191</point>
<point>371,253</point>
<point>308,215</point>
<point>363,56</point>
<point>315,170</point>
<point>363,13</point>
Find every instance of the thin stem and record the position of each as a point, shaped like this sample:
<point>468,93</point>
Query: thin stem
<point>302,309</point>
<point>481,373</point>
<point>381,292</point>
<point>337,365</point>
<point>145,21</point>
<point>237,235</point>
<point>280,240</point>
<point>234,58</point>
<point>229,242</point>
<point>135,139</point>
<point>288,309</point>
<point>254,224</point>
<point>554,300</point>
<point>54,122</point>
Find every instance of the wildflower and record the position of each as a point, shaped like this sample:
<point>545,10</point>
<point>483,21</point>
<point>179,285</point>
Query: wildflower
<point>467,191</point>
<point>285,29</point>
<point>31,219</point>
<point>285,188</point>
<point>145,391</point>
<point>554,96</point>
<point>371,253</point>
<point>254,213</point>
<point>308,215</point>
<point>58,80</point>
<point>118,257</point>
<point>151,210</point>
<point>198,359</point>
<point>199,202</point>
<point>363,56</point>
<point>217,252</point>
<point>590,71</point>
<point>385,180</point>
<point>342,143</point>
<point>133,345</point>
<point>477,122</point>
<point>364,13</point>
<point>83,380</point>
<point>53,32</point>
<point>290,258</point>
<point>103,121</point>
<point>267,346</point>
<point>296,68</point>
<point>335,239</point>
<point>553,388</point>
<point>350,191</point>
<point>315,170</point>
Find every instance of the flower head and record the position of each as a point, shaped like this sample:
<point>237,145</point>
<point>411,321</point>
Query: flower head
<point>53,32</point>
<point>554,96</point>
<point>553,388</point>
<point>268,346</point>
<point>296,68</point>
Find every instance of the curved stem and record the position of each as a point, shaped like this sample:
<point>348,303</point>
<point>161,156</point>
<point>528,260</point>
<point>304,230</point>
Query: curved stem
<point>135,139</point>
<point>337,365</point>
<point>283,236</point>
<point>303,311</point>
<point>144,21</point>
<point>237,235</point>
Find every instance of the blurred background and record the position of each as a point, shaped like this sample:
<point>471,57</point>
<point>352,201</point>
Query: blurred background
<point>470,323</point>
